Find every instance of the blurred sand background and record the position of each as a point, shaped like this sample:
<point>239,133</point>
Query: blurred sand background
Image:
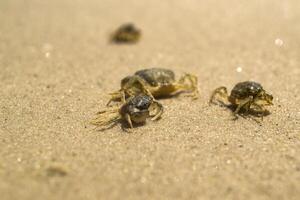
<point>57,68</point>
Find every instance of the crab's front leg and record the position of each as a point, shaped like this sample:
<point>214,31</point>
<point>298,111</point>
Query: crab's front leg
<point>133,87</point>
<point>115,96</point>
<point>128,119</point>
<point>259,109</point>
<point>245,103</point>
<point>219,92</point>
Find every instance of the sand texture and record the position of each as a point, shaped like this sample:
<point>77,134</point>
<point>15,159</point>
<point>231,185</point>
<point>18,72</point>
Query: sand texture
<point>57,68</point>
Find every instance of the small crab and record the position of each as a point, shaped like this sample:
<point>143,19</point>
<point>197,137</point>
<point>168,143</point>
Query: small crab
<point>126,33</point>
<point>135,109</point>
<point>155,82</point>
<point>248,96</point>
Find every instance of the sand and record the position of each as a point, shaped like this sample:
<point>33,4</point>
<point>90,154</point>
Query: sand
<point>57,68</point>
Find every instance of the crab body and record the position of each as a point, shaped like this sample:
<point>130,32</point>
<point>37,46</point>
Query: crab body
<point>135,109</point>
<point>155,82</point>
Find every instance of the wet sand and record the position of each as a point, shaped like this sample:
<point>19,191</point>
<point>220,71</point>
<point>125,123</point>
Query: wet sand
<point>57,68</point>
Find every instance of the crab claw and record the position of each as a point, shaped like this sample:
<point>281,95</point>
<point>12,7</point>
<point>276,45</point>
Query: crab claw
<point>159,110</point>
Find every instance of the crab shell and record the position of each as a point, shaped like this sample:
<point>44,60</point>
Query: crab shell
<point>160,81</point>
<point>157,76</point>
<point>247,89</point>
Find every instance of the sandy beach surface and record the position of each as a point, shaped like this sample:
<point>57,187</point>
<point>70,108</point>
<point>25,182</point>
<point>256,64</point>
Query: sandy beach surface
<point>57,69</point>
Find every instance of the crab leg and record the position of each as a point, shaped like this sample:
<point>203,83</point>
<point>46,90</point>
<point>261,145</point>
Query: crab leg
<point>191,86</point>
<point>221,91</point>
<point>128,119</point>
<point>243,103</point>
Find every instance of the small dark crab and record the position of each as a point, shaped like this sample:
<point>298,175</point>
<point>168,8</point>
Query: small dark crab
<point>135,109</point>
<point>155,82</point>
<point>245,98</point>
<point>126,33</point>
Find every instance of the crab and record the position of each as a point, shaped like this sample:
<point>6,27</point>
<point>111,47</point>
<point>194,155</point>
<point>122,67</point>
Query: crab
<point>135,109</point>
<point>155,82</point>
<point>245,98</point>
<point>126,33</point>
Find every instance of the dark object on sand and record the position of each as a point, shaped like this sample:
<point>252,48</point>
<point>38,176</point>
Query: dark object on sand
<point>126,33</point>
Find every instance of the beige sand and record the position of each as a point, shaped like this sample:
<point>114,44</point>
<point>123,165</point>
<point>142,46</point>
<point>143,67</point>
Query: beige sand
<point>57,68</point>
